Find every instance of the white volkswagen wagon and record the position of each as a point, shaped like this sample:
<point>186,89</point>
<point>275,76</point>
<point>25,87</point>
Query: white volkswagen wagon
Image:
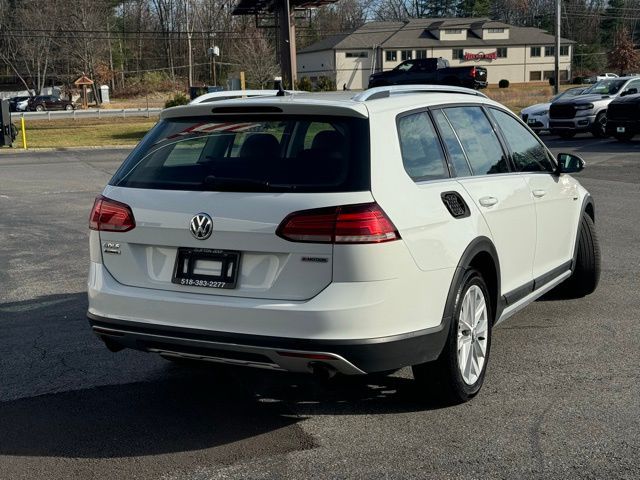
<point>337,234</point>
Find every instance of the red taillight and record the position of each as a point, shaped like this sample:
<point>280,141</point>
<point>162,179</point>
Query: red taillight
<point>110,216</point>
<point>473,72</point>
<point>364,223</point>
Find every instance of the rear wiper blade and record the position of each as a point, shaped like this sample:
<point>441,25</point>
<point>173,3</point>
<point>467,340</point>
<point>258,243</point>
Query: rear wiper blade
<point>213,181</point>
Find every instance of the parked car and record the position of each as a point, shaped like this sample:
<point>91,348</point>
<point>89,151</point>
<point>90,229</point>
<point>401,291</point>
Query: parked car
<point>269,232</point>
<point>588,112</point>
<point>623,116</point>
<point>537,116</point>
<point>18,104</point>
<point>605,76</point>
<point>49,102</point>
<point>432,71</point>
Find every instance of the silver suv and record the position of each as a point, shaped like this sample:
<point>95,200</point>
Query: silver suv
<point>588,112</point>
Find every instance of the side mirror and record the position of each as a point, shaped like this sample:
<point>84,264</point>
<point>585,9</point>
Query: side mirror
<point>569,163</point>
<point>631,91</point>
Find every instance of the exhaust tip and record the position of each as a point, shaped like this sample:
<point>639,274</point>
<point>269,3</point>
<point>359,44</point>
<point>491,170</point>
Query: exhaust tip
<point>322,371</point>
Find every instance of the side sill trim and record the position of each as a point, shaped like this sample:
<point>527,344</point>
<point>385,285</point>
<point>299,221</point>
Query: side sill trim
<point>519,305</point>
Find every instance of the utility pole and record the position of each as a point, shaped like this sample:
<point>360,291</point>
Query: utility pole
<point>286,22</point>
<point>213,52</point>
<point>556,82</point>
<point>189,33</point>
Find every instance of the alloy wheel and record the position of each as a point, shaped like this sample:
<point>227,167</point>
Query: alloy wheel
<point>473,330</point>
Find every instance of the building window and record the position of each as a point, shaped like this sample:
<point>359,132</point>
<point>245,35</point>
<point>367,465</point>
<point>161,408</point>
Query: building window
<point>549,51</point>
<point>356,54</point>
<point>501,52</point>
<point>535,76</point>
<point>535,51</point>
<point>496,30</point>
<point>453,31</point>
<point>564,75</point>
<point>391,56</point>
<point>548,74</point>
<point>564,51</point>
<point>421,54</point>
<point>406,55</point>
<point>457,54</point>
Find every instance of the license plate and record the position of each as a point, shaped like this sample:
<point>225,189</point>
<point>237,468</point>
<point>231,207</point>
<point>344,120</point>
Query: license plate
<point>204,267</point>
<point>620,129</point>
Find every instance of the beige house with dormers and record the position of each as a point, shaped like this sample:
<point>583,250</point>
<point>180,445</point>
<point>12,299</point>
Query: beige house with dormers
<point>516,54</point>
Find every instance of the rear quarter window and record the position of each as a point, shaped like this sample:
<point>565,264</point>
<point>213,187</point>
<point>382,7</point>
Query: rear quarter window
<point>422,155</point>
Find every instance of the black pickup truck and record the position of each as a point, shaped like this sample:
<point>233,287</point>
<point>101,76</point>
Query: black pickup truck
<point>431,71</point>
<point>623,116</point>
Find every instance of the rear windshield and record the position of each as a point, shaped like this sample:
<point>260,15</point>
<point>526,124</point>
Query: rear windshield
<point>251,153</point>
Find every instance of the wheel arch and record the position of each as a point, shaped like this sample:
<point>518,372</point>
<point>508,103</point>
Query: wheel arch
<point>588,207</point>
<point>480,254</point>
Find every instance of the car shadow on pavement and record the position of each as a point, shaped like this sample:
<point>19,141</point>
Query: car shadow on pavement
<point>65,395</point>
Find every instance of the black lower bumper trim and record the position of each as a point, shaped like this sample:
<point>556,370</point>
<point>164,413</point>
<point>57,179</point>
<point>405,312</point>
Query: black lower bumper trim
<point>369,355</point>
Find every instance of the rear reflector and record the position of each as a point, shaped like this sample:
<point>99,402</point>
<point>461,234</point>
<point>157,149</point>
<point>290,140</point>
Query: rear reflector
<point>111,216</point>
<point>363,223</point>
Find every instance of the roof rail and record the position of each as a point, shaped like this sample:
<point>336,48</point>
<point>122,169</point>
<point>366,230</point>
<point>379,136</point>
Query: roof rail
<point>386,91</point>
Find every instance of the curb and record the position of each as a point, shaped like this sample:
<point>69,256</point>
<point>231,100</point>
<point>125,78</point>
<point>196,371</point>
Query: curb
<point>18,150</point>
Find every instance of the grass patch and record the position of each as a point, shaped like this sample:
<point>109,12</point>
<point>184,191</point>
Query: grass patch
<point>83,133</point>
<point>518,97</point>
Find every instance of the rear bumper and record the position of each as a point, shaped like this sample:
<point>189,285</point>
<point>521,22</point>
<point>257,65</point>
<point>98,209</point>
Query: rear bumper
<point>630,126</point>
<point>351,357</point>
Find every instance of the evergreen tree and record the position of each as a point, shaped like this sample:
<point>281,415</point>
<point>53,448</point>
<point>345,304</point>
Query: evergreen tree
<point>613,21</point>
<point>474,8</point>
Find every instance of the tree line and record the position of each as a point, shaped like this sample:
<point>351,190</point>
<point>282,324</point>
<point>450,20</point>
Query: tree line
<point>141,45</point>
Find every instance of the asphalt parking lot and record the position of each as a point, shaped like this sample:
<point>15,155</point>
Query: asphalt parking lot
<point>561,398</point>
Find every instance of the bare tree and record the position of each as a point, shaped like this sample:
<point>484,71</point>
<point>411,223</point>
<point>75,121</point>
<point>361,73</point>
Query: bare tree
<point>623,57</point>
<point>29,56</point>
<point>257,55</point>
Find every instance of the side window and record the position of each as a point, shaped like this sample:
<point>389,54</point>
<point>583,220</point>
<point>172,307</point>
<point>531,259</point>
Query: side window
<point>634,84</point>
<point>478,139</point>
<point>422,154</point>
<point>456,154</point>
<point>526,150</point>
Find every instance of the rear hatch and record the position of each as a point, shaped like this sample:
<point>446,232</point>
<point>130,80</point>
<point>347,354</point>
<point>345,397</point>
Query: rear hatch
<point>245,174</point>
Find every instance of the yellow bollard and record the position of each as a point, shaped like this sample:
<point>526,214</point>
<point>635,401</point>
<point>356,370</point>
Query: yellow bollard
<point>24,133</point>
<point>242,84</point>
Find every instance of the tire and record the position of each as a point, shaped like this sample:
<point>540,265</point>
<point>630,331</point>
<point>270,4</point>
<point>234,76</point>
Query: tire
<point>39,108</point>
<point>599,128</point>
<point>586,273</point>
<point>68,107</point>
<point>444,377</point>
<point>566,134</point>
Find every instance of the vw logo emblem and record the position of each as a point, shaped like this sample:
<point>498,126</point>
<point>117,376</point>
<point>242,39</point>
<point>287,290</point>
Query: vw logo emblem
<point>201,226</point>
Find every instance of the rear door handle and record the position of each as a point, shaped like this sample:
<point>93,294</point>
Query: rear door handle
<point>488,201</point>
<point>539,193</point>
